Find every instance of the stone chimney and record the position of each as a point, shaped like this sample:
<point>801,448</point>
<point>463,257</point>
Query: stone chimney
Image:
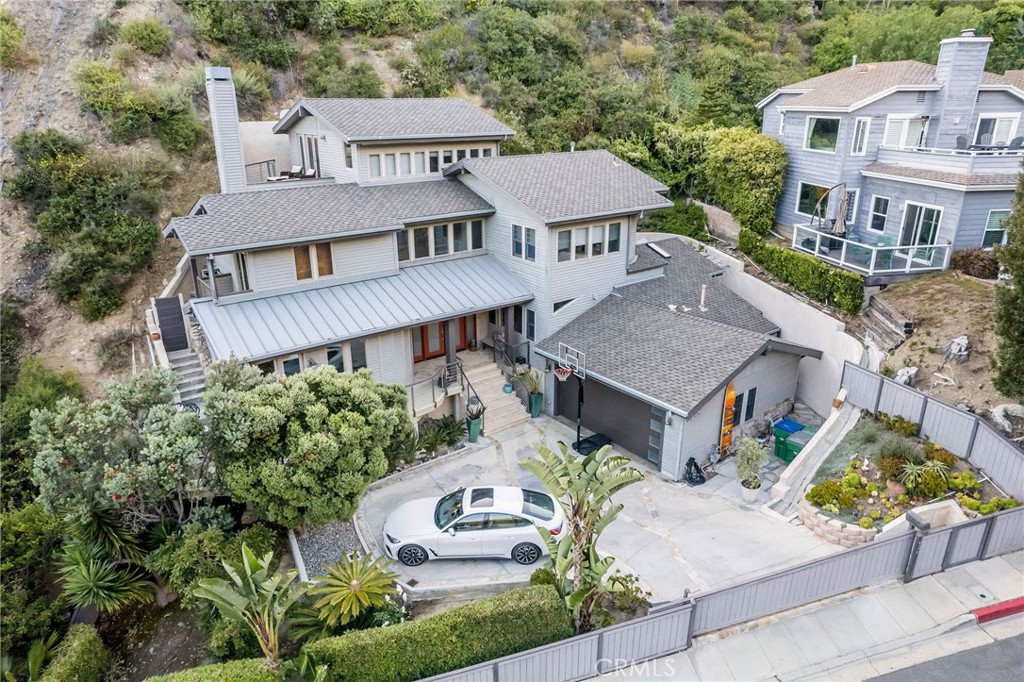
<point>959,71</point>
<point>227,135</point>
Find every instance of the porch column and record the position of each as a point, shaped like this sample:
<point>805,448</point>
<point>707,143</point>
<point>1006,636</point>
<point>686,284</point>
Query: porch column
<point>451,339</point>
<point>506,313</point>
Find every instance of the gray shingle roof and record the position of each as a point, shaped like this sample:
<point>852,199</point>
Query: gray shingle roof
<point>963,179</point>
<point>570,185</point>
<point>685,272</point>
<point>294,214</point>
<point>646,259</point>
<point>404,118</point>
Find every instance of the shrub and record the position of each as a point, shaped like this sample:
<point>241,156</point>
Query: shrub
<point>903,448</point>
<point>249,670</point>
<point>148,35</point>
<point>81,657</point>
<point>939,454</point>
<point>931,485</point>
<point>543,576</point>
<point>685,218</point>
<point>964,480</point>
<point>866,522</point>
<point>11,36</point>
<point>824,493</point>
<point>898,424</point>
<point>851,480</point>
<point>104,31</point>
<point>11,321</point>
<point>480,631</point>
<point>805,273</point>
<point>976,263</point>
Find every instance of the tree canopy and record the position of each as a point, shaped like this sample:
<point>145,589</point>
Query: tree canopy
<point>1010,303</point>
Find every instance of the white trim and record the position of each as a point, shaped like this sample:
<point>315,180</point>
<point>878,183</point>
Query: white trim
<point>852,208</point>
<point>782,91</point>
<point>872,214</point>
<point>867,132</point>
<point>782,122</point>
<point>866,101</point>
<point>1002,87</point>
<point>796,208</point>
<point>997,116</point>
<point>986,230</point>
<point>807,133</point>
<point>903,223</point>
<point>905,120</point>
<point>938,183</point>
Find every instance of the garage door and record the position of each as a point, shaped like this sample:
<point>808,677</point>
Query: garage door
<point>623,418</point>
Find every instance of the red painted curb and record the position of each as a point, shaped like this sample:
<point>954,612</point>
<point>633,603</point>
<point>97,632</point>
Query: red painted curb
<point>1000,610</point>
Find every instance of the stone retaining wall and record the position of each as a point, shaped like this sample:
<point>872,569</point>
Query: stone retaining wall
<point>833,530</point>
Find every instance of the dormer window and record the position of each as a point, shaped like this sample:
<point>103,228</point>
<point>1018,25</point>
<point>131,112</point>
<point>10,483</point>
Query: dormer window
<point>309,146</point>
<point>313,261</point>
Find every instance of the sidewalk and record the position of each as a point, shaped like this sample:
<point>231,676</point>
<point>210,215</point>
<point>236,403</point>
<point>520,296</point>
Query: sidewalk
<point>858,635</point>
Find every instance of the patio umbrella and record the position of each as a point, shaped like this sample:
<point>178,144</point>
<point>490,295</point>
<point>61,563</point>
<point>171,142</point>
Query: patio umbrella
<point>840,226</point>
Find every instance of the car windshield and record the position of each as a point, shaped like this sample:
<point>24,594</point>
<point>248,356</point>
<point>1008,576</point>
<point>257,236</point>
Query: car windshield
<point>538,505</point>
<point>448,508</point>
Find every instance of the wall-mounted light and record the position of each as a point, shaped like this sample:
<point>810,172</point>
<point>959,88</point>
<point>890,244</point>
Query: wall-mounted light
<point>323,137</point>
<point>547,367</point>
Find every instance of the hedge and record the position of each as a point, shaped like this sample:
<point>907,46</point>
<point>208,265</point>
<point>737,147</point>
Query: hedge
<point>248,670</point>
<point>805,273</point>
<point>81,657</point>
<point>479,631</point>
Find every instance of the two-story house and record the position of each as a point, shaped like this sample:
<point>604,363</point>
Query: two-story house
<point>402,241</point>
<point>894,165</point>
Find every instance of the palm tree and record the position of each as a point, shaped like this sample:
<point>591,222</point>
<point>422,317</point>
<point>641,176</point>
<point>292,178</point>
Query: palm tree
<point>258,597</point>
<point>584,486</point>
<point>352,587</point>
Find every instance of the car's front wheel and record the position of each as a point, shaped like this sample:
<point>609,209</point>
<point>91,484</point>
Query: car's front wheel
<point>525,553</point>
<point>412,555</point>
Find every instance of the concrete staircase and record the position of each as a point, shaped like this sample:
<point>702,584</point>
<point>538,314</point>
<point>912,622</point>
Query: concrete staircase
<point>504,410</point>
<point>191,377</point>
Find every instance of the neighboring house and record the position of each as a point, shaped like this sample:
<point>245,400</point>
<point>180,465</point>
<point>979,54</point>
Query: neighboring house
<point>894,165</point>
<point>401,238</point>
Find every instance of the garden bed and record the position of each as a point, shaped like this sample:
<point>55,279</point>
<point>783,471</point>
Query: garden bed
<point>880,470</point>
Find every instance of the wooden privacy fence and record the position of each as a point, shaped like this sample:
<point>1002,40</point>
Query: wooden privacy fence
<point>671,628</point>
<point>964,434</point>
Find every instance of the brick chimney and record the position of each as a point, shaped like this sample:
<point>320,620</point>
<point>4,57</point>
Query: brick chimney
<point>227,135</point>
<point>959,70</point>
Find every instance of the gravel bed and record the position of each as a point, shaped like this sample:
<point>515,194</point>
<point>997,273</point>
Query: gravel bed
<point>325,545</point>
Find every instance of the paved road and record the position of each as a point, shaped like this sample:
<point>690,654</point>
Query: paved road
<point>1001,660</point>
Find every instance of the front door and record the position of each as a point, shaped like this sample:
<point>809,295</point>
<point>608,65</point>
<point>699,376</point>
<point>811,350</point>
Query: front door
<point>467,539</point>
<point>428,341</point>
<point>920,229</point>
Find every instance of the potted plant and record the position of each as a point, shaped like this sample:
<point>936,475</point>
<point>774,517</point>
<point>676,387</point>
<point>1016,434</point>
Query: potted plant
<point>474,420</point>
<point>531,379</point>
<point>750,456</point>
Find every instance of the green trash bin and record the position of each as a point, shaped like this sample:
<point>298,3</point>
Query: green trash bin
<point>784,428</point>
<point>794,444</point>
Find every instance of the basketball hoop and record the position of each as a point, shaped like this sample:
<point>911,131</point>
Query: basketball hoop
<point>563,373</point>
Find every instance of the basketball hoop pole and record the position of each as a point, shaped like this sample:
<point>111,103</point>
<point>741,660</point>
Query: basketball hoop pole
<point>579,412</point>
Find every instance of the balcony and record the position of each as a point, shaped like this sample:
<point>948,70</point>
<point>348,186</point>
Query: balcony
<point>265,174</point>
<point>871,256</point>
<point>971,161</point>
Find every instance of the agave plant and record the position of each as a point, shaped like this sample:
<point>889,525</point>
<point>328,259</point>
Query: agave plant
<point>257,597</point>
<point>937,467</point>
<point>353,586</point>
<point>304,624</point>
<point>104,527</point>
<point>912,474</point>
<point>39,654</point>
<point>91,578</point>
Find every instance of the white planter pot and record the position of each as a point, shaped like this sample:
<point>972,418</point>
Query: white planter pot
<point>750,494</point>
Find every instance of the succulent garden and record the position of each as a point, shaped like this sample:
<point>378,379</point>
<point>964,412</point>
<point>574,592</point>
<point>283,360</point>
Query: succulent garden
<point>881,469</point>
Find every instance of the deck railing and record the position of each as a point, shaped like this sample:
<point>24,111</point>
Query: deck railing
<point>870,259</point>
<point>257,173</point>
<point>976,160</point>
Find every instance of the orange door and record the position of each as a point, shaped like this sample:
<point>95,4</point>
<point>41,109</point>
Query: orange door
<point>728,410</point>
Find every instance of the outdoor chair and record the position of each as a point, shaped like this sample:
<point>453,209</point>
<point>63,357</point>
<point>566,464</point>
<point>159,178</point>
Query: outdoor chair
<point>1015,143</point>
<point>961,142</point>
<point>308,173</point>
<point>295,172</point>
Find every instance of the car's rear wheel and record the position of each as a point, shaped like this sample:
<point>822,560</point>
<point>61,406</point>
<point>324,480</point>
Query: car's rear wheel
<point>412,555</point>
<point>525,553</point>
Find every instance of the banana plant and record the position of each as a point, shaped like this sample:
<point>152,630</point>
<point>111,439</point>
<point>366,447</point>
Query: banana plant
<point>353,586</point>
<point>583,486</point>
<point>255,596</point>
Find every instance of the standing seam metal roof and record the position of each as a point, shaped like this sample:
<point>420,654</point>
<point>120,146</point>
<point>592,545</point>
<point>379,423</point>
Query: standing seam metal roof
<point>294,214</point>
<point>276,325</point>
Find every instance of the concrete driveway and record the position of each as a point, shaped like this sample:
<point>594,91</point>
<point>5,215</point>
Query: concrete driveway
<point>676,538</point>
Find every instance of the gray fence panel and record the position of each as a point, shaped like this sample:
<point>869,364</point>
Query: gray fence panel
<point>574,659</point>
<point>861,386</point>
<point>1007,534</point>
<point>482,673</point>
<point>949,427</point>
<point>930,552</point>
<point>901,400</point>
<point>1003,462</point>
<point>641,640</point>
<point>967,542</point>
<point>848,570</point>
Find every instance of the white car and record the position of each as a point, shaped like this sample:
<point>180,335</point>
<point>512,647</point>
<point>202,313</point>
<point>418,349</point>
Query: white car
<point>494,521</point>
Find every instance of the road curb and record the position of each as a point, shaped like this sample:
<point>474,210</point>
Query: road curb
<point>1011,607</point>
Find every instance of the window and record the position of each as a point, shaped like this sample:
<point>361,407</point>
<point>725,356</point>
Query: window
<point>460,238</point>
<point>851,207</point>
<point>389,164</point>
<point>560,304</point>
<point>822,134</point>
<point>348,156</point>
<point>421,242</point>
<point>860,137</point>
<point>290,366</point>
<point>348,356</point>
<point>517,319</point>
<point>324,262</point>
<point>524,242</point>
<point>405,163</point>
<point>309,147</point>
<point>505,521</point>
<point>580,244</point>
<point>905,131</point>
<point>995,230</point>
<point>434,167</point>
<point>241,272</point>
<point>531,244</point>
<point>487,152</point>
<point>879,211</point>
<point>613,237</point>
<point>517,241</point>
<point>597,239</point>
<point>737,410</point>
<point>358,348</point>
<point>267,366</point>
<point>751,397</point>
<point>474,153</point>
<point>440,240</point>
<point>478,234</point>
<point>460,155</point>
<point>447,157</point>
<point>336,356</point>
<point>374,165</point>
<point>531,325</point>
<point>403,245</point>
<point>421,166</point>
<point>996,129</point>
<point>808,197</point>
<point>564,246</point>
<point>538,505</point>
<point>471,523</point>
<point>303,264</point>
<point>782,124</point>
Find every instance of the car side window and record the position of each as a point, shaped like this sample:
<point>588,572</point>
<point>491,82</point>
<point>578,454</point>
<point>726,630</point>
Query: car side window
<point>506,521</point>
<point>471,522</point>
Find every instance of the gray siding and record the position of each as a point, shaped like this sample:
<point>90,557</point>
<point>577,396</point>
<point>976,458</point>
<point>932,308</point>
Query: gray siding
<point>899,193</point>
<point>702,430</point>
<point>365,257</point>
<point>960,67</point>
<point>227,135</point>
<point>672,463</point>
<point>331,148</point>
<point>271,269</point>
<point>974,216</point>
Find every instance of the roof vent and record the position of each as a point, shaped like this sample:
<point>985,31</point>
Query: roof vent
<point>703,297</point>
<point>865,68</point>
<point>967,33</point>
<point>658,250</point>
<point>672,307</point>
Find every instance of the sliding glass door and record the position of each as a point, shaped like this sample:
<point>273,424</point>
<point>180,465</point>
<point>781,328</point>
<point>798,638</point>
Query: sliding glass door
<point>920,230</point>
